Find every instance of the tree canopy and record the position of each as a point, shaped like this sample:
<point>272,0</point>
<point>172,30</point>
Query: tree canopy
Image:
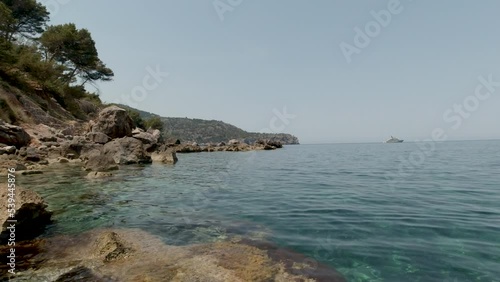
<point>57,61</point>
<point>7,21</point>
<point>75,49</point>
<point>29,15</point>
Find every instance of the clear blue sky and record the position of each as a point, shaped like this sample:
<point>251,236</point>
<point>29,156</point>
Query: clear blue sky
<point>271,54</point>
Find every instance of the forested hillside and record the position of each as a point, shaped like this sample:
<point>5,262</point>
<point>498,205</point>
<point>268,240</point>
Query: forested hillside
<point>210,131</point>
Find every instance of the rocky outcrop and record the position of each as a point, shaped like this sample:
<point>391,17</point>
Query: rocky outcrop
<point>164,155</point>
<point>185,148</point>
<point>13,135</point>
<point>126,150</point>
<point>30,154</point>
<point>100,163</point>
<point>151,139</point>
<point>282,138</point>
<point>30,212</point>
<point>113,122</point>
<point>4,149</point>
<point>78,147</point>
<point>146,138</point>
<point>9,161</point>
<point>98,137</point>
<point>269,144</point>
<point>232,146</point>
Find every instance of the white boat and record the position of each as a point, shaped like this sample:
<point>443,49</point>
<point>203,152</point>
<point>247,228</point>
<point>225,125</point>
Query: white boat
<point>394,140</point>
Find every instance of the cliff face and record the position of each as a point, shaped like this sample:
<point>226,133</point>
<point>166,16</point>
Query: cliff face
<point>35,106</point>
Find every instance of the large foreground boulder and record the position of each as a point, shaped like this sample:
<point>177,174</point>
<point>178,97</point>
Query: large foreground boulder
<point>114,122</point>
<point>126,150</point>
<point>30,212</point>
<point>13,135</point>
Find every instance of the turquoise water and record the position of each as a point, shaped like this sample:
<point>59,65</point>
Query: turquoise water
<point>345,205</point>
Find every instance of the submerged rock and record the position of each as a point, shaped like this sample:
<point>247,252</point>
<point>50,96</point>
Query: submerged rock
<point>100,163</point>
<point>31,172</point>
<point>98,175</point>
<point>135,255</point>
<point>30,212</point>
<point>82,273</point>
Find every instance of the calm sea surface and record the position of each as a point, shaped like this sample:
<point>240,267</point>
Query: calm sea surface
<point>360,208</point>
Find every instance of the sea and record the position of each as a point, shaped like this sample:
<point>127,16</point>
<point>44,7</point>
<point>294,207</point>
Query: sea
<point>374,212</point>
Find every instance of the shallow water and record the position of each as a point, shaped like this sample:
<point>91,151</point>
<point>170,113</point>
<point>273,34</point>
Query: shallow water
<point>345,205</point>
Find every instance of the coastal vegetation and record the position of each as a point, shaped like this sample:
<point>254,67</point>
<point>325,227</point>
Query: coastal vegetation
<point>45,62</point>
<point>46,71</point>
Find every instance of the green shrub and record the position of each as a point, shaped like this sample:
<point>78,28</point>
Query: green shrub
<point>154,123</point>
<point>136,118</point>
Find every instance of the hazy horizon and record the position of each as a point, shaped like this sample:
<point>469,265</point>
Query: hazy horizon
<point>244,62</point>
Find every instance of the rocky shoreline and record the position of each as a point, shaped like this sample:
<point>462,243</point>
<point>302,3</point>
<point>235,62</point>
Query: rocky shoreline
<point>101,147</point>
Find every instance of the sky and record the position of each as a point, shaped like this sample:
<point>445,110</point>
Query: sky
<point>409,68</point>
